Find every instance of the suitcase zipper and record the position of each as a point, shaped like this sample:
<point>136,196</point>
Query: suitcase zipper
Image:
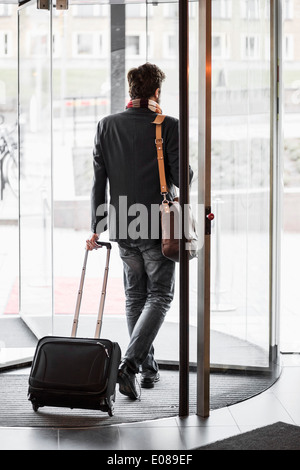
<point>105,349</point>
<point>54,339</point>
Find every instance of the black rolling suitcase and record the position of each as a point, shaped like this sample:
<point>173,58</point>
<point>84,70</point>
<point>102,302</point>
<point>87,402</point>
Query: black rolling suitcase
<point>76,372</point>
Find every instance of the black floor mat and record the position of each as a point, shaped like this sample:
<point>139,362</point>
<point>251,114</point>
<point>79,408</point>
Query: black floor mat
<point>159,402</point>
<point>277,436</point>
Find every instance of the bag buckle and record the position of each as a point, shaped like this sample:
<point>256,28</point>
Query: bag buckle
<point>165,200</point>
<point>158,143</point>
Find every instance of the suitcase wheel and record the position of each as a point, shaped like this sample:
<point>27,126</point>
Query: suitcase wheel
<point>35,406</point>
<point>110,404</point>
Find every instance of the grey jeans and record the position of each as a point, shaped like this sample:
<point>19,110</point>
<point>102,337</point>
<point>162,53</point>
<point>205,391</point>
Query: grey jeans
<point>149,280</point>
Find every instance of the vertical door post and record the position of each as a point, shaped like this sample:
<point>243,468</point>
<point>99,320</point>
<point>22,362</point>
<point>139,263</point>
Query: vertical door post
<point>117,33</point>
<point>184,201</point>
<point>204,202</point>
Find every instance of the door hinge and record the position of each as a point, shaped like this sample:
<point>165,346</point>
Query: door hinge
<point>62,4</point>
<point>43,4</point>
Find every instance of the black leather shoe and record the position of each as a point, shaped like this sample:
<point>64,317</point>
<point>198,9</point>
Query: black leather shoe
<point>127,382</point>
<point>149,378</point>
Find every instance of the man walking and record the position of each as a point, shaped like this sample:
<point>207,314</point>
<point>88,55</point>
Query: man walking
<point>125,157</point>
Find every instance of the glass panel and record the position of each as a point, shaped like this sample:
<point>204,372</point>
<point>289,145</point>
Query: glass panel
<point>163,51</point>
<point>12,331</point>
<point>80,55</point>
<point>193,159</point>
<point>81,97</point>
<point>290,320</point>
<point>89,82</point>
<point>240,183</point>
<point>90,63</point>
<point>35,113</point>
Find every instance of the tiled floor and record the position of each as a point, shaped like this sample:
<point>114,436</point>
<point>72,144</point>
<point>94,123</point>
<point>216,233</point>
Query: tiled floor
<point>279,403</point>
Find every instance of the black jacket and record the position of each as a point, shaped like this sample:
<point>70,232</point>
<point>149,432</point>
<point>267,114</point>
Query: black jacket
<point>126,169</point>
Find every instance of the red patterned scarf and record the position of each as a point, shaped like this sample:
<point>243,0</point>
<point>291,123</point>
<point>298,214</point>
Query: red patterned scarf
<point>145,103</point>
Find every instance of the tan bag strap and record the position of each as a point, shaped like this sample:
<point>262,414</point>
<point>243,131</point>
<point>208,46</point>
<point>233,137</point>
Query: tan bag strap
<point>160,155</point>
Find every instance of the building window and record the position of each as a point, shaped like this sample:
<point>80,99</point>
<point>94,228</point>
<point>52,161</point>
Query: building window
<point>250,9</point>
<point>288,9</point>
<point>250,47</point>
<point>84,11</point>
<point>220,46</point>
<point>170,45</point>
<point>5,44</point>
<point>216,46</point>
<point>150,45</point>
<point>133,45</point>
<point>288,47</point>
<point>192,10</point>
<point>38,45</point>
<point>222,9</point>
<point>5,10</point>
<point>267,10</point>
<point>84,44</point>
<point>135,11</point>
<point>151,9</point>
<point>88,45</point>
<point>88,11</point>
<point>171,10</point>
<point>267,47</point>
<point>56,43</point>
<point>221,79</point>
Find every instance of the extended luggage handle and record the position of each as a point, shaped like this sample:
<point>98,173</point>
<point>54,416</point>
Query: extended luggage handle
<point>103,292</point>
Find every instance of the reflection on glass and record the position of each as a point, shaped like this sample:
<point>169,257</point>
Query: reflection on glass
<point>240,182</point>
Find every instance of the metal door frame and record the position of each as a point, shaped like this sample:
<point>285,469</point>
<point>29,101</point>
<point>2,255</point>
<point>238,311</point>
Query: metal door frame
<point>204,199</point>
<point>204,202</point>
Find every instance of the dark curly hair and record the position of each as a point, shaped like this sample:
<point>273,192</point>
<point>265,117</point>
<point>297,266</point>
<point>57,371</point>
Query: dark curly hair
<point>144,80</point>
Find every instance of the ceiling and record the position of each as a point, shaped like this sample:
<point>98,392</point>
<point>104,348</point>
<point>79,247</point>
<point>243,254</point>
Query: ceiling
<point>80,2</point>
